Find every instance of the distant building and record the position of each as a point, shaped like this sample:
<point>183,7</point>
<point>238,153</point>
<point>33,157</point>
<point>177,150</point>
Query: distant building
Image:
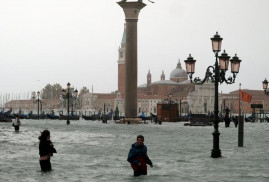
<point>104,102</point>
<point>150,93</point>
<point>87,101</point>
<point>202,99</point>
<point>190,97</point>
<point>231,100</point>
<point>29,105</point>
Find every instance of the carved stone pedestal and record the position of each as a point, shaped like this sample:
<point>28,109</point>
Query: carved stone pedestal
<point>130,121</point>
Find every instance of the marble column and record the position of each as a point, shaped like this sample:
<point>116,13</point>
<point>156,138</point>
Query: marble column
<point>131,10</point>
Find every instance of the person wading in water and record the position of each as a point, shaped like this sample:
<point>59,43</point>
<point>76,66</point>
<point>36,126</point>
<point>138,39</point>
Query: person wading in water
<point>138,157</point>
<point>16,123</point>
<point>46,150</point>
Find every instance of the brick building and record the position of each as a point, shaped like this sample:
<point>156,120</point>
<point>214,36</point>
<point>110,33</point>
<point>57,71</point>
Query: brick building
<point>231,101</point>
<point>28,105</point>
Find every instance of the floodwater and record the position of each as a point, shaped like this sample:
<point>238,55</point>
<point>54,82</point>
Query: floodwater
<point>91,151</point>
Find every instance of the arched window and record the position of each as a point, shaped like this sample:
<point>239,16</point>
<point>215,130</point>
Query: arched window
<point>121,54</point>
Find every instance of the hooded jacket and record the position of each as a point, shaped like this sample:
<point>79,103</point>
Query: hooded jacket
<point>138,153</point>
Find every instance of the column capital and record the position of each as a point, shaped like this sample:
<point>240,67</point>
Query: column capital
<point>131,9</point>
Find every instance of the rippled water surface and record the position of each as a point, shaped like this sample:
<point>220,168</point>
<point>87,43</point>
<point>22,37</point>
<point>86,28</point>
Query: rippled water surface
<point>92,151</point>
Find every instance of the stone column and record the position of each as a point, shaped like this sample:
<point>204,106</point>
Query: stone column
<point>131,10</point>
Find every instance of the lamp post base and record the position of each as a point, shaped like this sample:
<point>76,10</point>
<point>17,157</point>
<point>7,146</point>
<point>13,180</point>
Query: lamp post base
<point>215,152</point>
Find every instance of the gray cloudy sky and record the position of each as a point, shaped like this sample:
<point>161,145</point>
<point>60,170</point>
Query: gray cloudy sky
<point>77,41</point>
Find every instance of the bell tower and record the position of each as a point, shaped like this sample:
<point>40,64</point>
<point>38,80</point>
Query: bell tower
<point>121,63</point>
<point>148,78</point>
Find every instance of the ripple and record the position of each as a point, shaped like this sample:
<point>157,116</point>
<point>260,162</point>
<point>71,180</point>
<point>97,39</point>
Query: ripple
<point>92,151</point>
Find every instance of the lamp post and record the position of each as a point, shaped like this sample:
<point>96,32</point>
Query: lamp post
<point>265,86</point>
<point>106,106</point>
<point>170,98</point>
<point>216,74</point>
<point>179,107</point>
<point>38,101</point>
<point>67,95</point>
<point>41,102</point>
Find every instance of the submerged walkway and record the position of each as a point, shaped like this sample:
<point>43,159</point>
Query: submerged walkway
<point>92,151</point>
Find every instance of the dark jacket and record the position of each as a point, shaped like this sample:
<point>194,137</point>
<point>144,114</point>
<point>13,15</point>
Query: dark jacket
<point>137,153</point>
<point>46,148</point>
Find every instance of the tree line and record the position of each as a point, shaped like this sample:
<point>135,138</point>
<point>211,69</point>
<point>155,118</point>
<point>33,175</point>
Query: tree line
<point>54,92</point>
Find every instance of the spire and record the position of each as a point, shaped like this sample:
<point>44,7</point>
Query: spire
<point>123,40</point>
<point>179,64</point>
<point>149,78</point>
<point>122,48</point>
<point>121,62</point>
<point>162,76</point>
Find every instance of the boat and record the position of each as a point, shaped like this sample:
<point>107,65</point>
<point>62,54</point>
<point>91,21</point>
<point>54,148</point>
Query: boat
<point>5,116</point>
<point>117,117</point>
<point>5,119</point>
<point>144,118</point>
<point>71,117</point>
<point>52,116</point>
<point>32,116</point>
<point>200,120</point>
<point>91,117</point>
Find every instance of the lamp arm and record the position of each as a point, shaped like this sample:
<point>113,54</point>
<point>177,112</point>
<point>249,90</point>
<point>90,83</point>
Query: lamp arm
<point>229,80</point>
<point>208,75</point>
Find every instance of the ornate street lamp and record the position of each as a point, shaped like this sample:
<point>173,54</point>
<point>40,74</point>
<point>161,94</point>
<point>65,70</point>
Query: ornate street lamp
<point>42,100</point>
<point>265,86</point>
<point>67,95</point>
<point>38,101</point>
<point>216,74</point>
<point>170,98</point>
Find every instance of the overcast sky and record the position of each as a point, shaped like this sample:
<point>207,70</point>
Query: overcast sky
<point>77,41</point>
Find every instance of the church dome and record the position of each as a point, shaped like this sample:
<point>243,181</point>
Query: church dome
<point>178,72</point>
<point>164,82</point>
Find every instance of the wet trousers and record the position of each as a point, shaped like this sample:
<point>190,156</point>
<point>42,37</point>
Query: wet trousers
<point>17,128</point>
<point>45,165</point>
<point>139,172</point>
